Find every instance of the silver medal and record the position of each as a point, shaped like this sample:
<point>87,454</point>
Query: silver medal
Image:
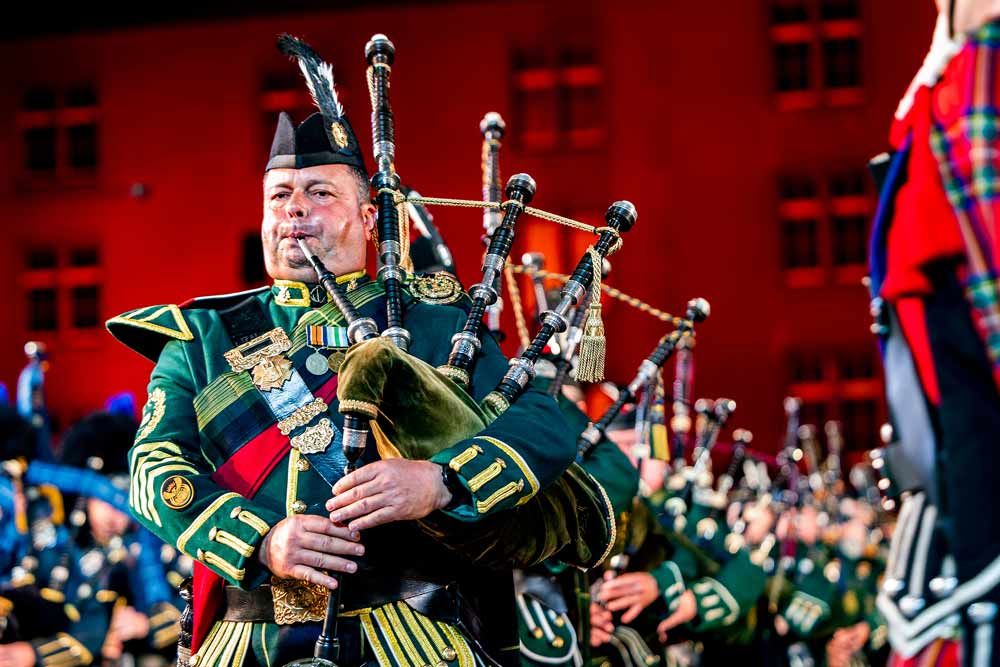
<point>316,364</point>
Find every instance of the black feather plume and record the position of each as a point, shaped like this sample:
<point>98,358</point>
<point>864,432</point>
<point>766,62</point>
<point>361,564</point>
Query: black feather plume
<point>318,75</point>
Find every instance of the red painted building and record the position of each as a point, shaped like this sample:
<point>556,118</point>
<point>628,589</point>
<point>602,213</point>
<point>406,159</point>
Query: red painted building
<point>740,130</point>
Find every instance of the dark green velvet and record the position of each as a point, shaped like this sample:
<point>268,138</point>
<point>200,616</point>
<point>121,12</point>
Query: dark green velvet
<point>420,412</point>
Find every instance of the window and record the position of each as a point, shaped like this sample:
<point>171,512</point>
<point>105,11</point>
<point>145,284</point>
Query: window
<point>799,244</point>
<point>558,99</point>
<point>816,46</point>
<point>59,134</point>
<point>793,64</point>
<point>839,384</point>
<point>85,306</point>
<point>84,256</point>
<point>823,226</point>
<point>43,310</point>
<point>850,240</point>
<point>62,288</point>
<point>841,63</point>
<point>41,258</point>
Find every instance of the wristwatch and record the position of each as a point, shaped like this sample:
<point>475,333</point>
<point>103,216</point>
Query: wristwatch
<point>459,494</point>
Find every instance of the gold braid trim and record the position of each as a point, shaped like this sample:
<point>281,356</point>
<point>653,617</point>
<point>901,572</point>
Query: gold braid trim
<point>369,410</point>
<point>460,460</point>
<point>515,300</point>
<point>486,475</point>
<point>528,210</point>
<point>614,293</point>
<point>455,374</point>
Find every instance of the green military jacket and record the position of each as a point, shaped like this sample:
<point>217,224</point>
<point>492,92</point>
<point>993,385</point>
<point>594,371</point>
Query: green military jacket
<point>202,411</point>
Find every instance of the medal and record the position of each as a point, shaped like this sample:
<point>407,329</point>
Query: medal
<point>335,361</point>
<point>321,337</point>
<point>316,363</point>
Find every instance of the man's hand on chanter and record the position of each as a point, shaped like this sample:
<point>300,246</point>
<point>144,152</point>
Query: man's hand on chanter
<point>386,491</point>
<point>306,547</point>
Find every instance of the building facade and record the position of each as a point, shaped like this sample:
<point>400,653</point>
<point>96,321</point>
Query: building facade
<point>740,130</point>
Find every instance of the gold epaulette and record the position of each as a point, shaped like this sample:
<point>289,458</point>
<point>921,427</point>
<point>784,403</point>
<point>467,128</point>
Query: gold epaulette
<point>147,330</point>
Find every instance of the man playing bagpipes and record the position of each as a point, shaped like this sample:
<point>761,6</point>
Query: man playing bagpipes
<point>254,408</point>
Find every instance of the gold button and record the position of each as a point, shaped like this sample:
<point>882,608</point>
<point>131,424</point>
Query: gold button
<point>201,554</point>
<point>213,532</point>
<point>448,653</point>
<point>298,507</point>
<point>559,622</point>
<point>441,663</point>
<point>537,632</point>
<point>236,512</point>
<point>302,464</point>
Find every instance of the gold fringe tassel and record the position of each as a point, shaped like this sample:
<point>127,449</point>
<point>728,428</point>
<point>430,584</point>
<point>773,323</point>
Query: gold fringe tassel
<point>593,345</point>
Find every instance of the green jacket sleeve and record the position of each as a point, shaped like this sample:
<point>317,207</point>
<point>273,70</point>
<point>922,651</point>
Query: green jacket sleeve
<point>172,492</point>
<point>521,452</point>
<point>606,462</point>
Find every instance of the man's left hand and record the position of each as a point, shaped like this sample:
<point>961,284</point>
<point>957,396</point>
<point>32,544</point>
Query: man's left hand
<point>686,610</point>
<point>632,591</point>
<point>127,623</point>
<point>386,491</point>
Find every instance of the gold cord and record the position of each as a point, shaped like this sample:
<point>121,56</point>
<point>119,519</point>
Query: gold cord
<point>614,293</point>
<point>528,210</point>
<point>515,303</point>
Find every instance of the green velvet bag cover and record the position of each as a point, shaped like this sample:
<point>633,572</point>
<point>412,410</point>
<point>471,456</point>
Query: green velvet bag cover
<point>421,412</point>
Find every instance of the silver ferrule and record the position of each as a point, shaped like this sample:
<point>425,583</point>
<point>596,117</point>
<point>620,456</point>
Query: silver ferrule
<point>484,291</point>
<point>390,247</point>
<point>591,434</point>
<point>465,343</point>
<point>362,329</point>
<point>565,306</point>
<point>354,441</point>
<point>493,262</point>
<point>555,320</point>
<point>647,371</point>
<point>385,155</point>
<point>388,272</point>
<point>521,371</point>
<point>575,290</point>
<point>399,336</point>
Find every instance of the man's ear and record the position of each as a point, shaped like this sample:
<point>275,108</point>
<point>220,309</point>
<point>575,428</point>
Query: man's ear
<point>368,219</point>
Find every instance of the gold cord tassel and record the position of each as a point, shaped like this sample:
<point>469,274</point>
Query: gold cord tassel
<point>403,215</point>
<point>593,346</point>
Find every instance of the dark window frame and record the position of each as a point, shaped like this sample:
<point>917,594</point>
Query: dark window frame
<point>840,204</point>
<point>59,136</point>
<point>828,31</point>
<point>559,99</point>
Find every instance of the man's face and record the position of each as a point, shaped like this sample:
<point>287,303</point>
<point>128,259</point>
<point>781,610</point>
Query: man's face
<point>105,521</point>
<point>322,205</point>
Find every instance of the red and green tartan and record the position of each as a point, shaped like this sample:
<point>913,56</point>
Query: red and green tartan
<point>964,139</point>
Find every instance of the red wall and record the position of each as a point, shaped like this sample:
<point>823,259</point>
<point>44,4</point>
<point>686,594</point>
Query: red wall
<point>695,141</point>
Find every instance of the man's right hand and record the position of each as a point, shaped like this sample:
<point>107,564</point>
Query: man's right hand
<point>306,547</point>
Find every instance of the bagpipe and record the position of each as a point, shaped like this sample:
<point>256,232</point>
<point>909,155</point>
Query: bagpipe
<point>409,409</point>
